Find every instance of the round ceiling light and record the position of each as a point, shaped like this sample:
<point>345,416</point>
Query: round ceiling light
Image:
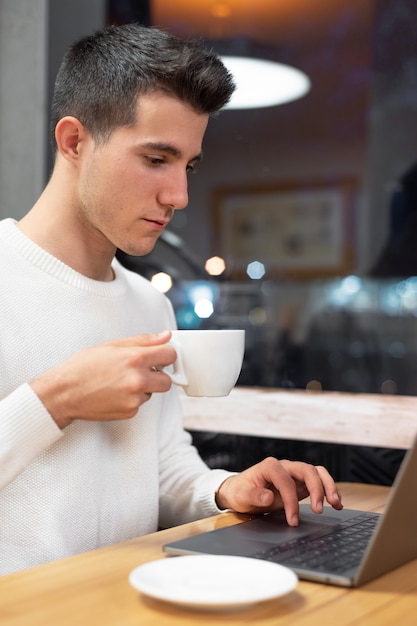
<point>261,83</point>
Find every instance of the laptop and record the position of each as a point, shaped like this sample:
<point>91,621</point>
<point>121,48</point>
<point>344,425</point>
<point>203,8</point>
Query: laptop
<point>346,548</point>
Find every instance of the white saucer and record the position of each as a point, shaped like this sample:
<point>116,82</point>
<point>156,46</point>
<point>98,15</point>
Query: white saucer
<point>213,582</point>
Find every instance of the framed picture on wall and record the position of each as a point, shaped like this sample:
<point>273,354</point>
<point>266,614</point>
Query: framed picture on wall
<point>297,230</point>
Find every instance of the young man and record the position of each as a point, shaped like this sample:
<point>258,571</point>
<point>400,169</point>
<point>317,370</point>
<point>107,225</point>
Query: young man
<point>92,449</point>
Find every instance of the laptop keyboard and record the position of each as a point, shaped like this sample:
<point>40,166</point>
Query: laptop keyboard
<point>332,551</point>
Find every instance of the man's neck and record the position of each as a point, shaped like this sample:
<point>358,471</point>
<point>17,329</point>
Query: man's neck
<point>53,226</point>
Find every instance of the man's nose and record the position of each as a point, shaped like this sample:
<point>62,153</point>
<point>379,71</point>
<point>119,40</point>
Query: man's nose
<point>175,194</point>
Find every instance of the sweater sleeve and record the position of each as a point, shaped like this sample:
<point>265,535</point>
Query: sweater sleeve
<point>26,430</point>
<point>187,485</point>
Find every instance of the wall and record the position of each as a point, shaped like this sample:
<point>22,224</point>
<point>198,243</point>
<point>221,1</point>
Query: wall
<point>67,21</point>
<point>23,32</point>
<point>33,36</point>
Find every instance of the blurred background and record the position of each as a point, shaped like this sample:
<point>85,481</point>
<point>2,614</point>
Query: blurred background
<point>302,220</point>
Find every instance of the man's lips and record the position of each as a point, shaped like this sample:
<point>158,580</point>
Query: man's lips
<point>158,224</point>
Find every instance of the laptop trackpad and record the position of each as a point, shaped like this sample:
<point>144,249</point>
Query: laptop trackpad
<point>257,534</point>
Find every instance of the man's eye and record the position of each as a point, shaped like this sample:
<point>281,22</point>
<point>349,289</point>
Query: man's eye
<point>155,161</point>
<point>191,168</point>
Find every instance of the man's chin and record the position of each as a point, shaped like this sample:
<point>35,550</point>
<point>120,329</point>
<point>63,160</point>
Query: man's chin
<point>141,249</point>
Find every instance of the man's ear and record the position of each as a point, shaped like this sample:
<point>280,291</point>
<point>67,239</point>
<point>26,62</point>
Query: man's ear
<point>69,133</point>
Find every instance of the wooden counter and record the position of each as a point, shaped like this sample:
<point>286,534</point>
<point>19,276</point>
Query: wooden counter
<point>329,417</point>
<point>92,589</point>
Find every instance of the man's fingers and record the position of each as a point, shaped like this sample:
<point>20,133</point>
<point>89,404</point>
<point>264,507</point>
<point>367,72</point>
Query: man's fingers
<point>150,351</point>
<point>271,485</point>
<point>276,475</point>
<point>333,497</point>
<point>153,339</point>
<point>144,340</point>
<point>308,482</point>
<point>317,482</point>
<point>320,485</point>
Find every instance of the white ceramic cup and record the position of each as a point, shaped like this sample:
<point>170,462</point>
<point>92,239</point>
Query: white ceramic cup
<point>208,361</point>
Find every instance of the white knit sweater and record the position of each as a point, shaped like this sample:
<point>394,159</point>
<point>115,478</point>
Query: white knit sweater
<point>94,483</point>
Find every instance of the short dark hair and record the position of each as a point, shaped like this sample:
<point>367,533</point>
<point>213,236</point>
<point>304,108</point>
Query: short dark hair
<point>102,75</point>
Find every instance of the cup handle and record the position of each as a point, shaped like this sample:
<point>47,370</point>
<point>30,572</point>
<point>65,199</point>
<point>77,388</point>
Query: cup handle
<point>176,371</point>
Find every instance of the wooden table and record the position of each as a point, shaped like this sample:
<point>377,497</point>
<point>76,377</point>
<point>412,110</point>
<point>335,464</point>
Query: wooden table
<point>92,589</point>
<point>330,417</point>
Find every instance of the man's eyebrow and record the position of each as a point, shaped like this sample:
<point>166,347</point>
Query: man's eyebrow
<point>170,149</point>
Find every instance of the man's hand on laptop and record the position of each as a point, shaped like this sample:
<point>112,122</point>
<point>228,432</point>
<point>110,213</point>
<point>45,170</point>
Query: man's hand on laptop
<point>271,485</point>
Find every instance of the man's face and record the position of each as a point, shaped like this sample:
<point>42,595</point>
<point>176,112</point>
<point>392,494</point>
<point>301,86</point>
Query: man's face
<point>130,186</point>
